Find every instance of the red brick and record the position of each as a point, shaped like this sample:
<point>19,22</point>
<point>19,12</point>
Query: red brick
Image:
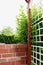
<point>24,58</point>
<point>14,58</point>
<point>22,45</point>
<point>0,55</point>
<point>3,59</point>
<point>2,46</point>
<point>20,62</point>
<point>7,63</point>
<point>13,63</point>
<point>14,46</point>
<point>8,46</point>
<point>8,55</point>
<point>22,49</point>
<point>20,54</point>
<point>12,50</point>
<point>3,50</point>
<point>18,50</point>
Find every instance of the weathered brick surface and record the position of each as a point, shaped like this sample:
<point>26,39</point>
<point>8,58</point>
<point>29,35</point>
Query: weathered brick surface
<point>20,54</point>
<point>2,46</point>
<point>7,46</point>
<point>13,54</point>
<point>8,55</point>
<point>0,55</point>
<point>4,50</point>
<point>7,63</point>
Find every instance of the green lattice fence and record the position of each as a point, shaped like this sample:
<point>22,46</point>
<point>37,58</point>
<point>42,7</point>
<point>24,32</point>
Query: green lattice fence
<point>37,35</point>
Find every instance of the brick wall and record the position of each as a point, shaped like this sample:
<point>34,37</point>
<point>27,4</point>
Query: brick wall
<point>13,54</point>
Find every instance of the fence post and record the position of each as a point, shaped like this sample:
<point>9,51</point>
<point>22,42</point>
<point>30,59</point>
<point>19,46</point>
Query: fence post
<point>29,39</point>
<point>29,35</point>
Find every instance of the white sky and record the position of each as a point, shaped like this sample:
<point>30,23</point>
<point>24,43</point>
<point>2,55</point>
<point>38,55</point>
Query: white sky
<point>8,11</point>
<point>38,3</point>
